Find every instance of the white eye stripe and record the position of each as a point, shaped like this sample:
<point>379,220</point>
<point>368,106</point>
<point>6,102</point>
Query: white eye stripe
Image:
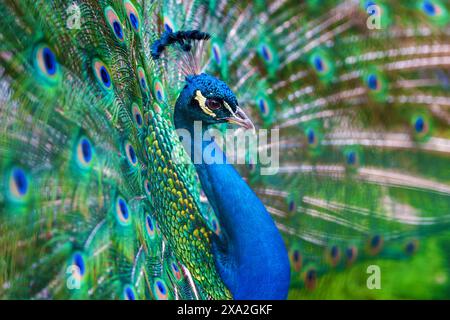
<point>228,108</point>
<point>202,102</point>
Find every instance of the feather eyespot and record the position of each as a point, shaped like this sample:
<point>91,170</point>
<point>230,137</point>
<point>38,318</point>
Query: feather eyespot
<point>147,187</point>
<point>133,15</point>
<point>311,279</point>
<point>175,270</point>
<point>85,152</point>
<point>157,108</point>
<point>372,82</point>
<point>137,116</point>
<point>18,184</point>
<point>128,293</point>
<point>78,263</point>
<point>375,241</point>
<point>114,23</point>
<point>420,125</point>
<point>158,91</point>
<point>334,255</point>
<point>122,211</point>
<point>263,106</point>
<point>351,254</point>
<point>318,64</point>
<point>168,24</point>
<point>160,290</point>
<point>266,53</point>
<point>213,104</point>
<point>431,9</point>
<point>102,74</point>
<point>216,53</point>
<point>291,206</point>
<point>322,64</point>
<point>131,154</point>
<point>375,244</point>
<point>46,63</point>
<point>311,137</point>
<point>411,247</point>
<point>215,226</point>
<point>142,79</point>
<point>351,158</point>
<point>150,226</point>
<point>296,259</point>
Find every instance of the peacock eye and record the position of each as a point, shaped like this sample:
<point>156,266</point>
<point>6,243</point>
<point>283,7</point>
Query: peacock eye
<point>213,104</point>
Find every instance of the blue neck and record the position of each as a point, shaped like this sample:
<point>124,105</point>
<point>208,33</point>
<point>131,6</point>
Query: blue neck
<point>250,255</point>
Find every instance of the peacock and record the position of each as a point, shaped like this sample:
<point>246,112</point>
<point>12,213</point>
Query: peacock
<point>106,192</point>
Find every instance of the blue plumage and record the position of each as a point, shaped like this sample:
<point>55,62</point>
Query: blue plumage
<point>250,255</point>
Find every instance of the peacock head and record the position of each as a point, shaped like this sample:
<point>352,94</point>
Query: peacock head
<point>209,100</point>
<point>204,98</point>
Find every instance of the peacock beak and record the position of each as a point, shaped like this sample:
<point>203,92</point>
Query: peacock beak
<point>241,119</point>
